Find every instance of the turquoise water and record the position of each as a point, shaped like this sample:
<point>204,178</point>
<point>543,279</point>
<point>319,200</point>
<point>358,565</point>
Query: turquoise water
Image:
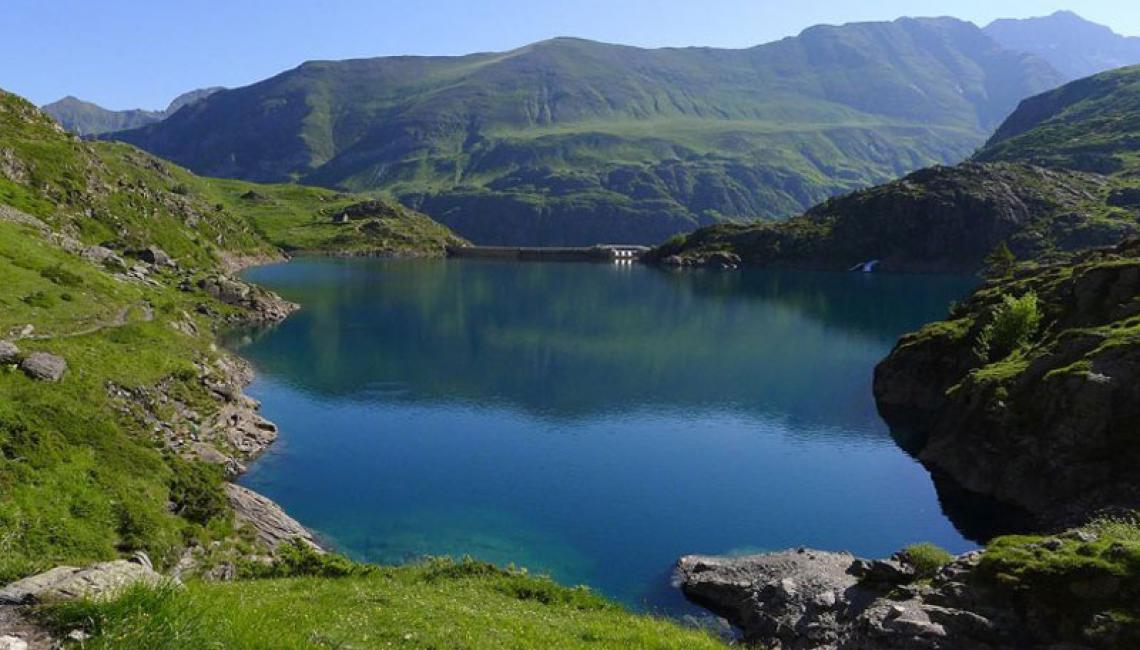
<point>589,421</point>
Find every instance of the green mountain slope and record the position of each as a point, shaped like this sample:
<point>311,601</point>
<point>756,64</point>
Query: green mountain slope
<point>86,118</point>
<point>84,472</point>
<point>1061,174</point>
<point>120,453</point>
<point>1092,124</point>
<point>1076,47</point>
<point>571,141</point>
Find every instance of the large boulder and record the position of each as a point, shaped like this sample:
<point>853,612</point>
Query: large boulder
<point>44,366</point>
<point>155,256</point>
<point>263,306</point>
<point>9,353</point>
<point>817,600</point>
<point>273,526</point>
<point>102,580</point>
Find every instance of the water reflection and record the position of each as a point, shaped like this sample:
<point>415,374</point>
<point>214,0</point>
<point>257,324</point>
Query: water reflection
<point>590,421</point>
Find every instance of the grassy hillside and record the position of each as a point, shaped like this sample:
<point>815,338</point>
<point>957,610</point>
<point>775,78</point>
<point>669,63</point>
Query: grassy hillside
<point>571,141</point>
<point>437,604</point>
<point>1061,174</point>
<point>108,460</point>
<point>1092,125</point>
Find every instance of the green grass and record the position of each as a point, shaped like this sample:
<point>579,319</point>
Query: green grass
<point>1070,579</point>
<point>436,604</point>
<point>927,559</point>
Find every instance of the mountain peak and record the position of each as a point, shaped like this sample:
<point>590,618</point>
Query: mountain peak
<point>1074,45</point>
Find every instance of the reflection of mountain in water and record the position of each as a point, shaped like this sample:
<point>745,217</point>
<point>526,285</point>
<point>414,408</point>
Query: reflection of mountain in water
<point>577,340</point>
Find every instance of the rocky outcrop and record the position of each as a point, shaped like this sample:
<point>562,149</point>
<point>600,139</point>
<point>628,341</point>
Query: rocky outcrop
<point>262,306</point>
<point>817,600</point>
<point>100,580</point>
<point>1050,428</point>
<point>273,526</point>
<point>935,219</point>
<point>44,367</point>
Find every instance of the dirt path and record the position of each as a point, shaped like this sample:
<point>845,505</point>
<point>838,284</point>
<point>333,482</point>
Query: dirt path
<point>121,318</point>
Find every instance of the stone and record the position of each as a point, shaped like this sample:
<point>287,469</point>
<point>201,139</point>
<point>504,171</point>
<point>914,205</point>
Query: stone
<point>803,599</point>
<point>273,526</point>
<point>12,643</point>
<point>9,353</point>
<point>155,256</point>
<point>101,580</point>
<point>44,367</point>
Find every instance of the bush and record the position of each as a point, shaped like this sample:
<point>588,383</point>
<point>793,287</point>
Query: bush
<point>196,491</point>
<point>299,559</point>
<point>927,559</point>
<point>40,299</point>
<point>61,276</point>
<point>1013,324</point>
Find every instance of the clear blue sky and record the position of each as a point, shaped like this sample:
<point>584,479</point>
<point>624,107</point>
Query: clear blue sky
<point>141,53</point>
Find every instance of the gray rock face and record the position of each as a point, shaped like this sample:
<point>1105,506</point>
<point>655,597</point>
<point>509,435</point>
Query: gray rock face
<point>1056,438</point>
<point>44,366</point>
<point>67,583</point>
<point>273,526</point>
<point>9,353</point>
<point>264,306</point>
<point>156,256</point>
<point>817,600</point>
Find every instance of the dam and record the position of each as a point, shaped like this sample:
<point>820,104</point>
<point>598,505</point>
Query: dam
<point>597,253</point>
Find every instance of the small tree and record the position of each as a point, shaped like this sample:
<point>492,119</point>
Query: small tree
<point>1000,261</point>
<point>1013,324</point>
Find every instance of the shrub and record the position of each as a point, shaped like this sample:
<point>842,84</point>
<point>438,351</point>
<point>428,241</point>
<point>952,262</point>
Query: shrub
<point>299,559</point>
<point>1013,324</point>
<point>62,276</point>
<point>1000,261</point>
<point>927,559</point>
<point>196,491</point>
<point>40,299</point>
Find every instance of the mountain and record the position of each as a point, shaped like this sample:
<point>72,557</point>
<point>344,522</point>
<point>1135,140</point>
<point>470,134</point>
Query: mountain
<point>570,141</point>
<point>1092,124</point>
<point>1074,46</point>
<point>122,421</point>
<point>1060,174</point>
<point>85,118</point>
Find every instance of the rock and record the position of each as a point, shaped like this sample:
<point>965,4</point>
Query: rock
<point>273,526</point>
<point>44,367</point>
<point>155,256</point>
<point>785,599</point>
<point>264,306</point>
<point>12,643</point>
<point>101,580</point>
<point>104,256</point>
<point>804,599</point>
<point>9,353</point>
<point>1054,437</point>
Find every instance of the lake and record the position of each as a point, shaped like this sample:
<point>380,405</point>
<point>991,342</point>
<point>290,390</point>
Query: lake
<point>589,421</point>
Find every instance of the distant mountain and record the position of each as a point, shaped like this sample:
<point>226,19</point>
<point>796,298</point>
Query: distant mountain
<point>1092,124</point>
<point>1074,46</point>
<point>572,142</point>
<point>85,118</point>
<point>1061,174</point>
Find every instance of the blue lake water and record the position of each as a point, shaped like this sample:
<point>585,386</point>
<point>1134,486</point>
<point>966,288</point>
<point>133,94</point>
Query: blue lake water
<point>589,421</point>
